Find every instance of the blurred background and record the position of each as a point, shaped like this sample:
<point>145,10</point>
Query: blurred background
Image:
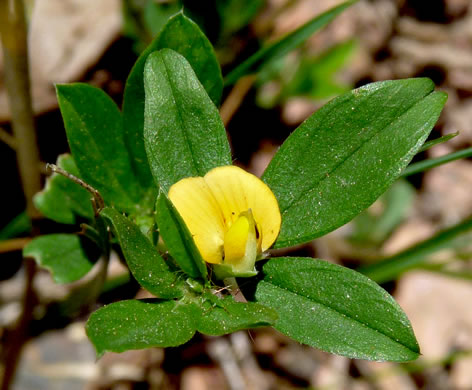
<point>97,42</point>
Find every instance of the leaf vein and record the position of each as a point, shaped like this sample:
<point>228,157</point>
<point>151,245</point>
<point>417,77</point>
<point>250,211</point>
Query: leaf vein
<point>329,173</point>
<point>309,299</point>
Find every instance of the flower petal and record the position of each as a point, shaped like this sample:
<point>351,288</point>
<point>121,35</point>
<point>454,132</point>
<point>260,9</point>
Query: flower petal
<point>237,191</point>
<point>201,213</point>
<point>241,245</point>
<point>236,239</point>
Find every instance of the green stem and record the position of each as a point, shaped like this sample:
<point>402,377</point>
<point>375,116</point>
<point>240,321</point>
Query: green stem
<point>429,144</point>
<point>97,200</point>
<point>415,256</point>
<point>434,162</point>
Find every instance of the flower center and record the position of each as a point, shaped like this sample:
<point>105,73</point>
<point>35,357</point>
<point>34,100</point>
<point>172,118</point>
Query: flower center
<point>242,242</point>
<point>233,217</point>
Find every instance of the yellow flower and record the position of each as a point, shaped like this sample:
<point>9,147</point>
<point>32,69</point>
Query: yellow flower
<point>232,215</point>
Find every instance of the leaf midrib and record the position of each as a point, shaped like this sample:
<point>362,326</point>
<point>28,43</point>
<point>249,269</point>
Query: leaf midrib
<point>329,174</point>
<point>342,314</point>
<point>105,161</point>
<point>181,120</point>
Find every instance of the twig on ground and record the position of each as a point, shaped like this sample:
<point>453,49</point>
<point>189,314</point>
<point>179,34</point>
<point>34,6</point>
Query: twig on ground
<point>14,244</point>
<point>221,352</point>
<point>243,350</point>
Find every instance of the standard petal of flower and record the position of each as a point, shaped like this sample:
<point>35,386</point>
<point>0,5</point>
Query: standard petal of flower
<point>237,191</point>
<point>197,206</point>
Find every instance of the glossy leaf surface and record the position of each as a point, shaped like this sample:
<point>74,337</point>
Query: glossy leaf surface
<point>137,324</point>
<point>342,158</point>
<point>336,309</point>
<point>223,316</point>
<point>94,130</point>
<point>143,259</point>
<point>68,256</point>
<point>183,132</point>
<point>183,36</point>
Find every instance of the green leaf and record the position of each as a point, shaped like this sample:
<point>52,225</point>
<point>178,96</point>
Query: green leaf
<point>62,200</point>
<point>135,324</point>
<point>224,316</point>
<point>429,144</point>
<point>94,130</point>
<point>235,14</point>
<point>156,15</point>
<point>143,259</point>
<point>178,239</point>
<point>85,293</point>
<point>424,165</point>
<point>373,227</point>
<point>342,158</point>
<point>185,37</point>
<point>183,132</point>
<point>415,256</point>
<point>315,76</point>
<point>147,225</point>
<point>137,17</point>
<point>133,118</point>
<point>285,44</point>
<point>336,310</point>
<point>19,225</point>
<point>68,256</point>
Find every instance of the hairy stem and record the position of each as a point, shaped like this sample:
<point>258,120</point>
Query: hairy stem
<point>97,200</point>
<point>233,287</point>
